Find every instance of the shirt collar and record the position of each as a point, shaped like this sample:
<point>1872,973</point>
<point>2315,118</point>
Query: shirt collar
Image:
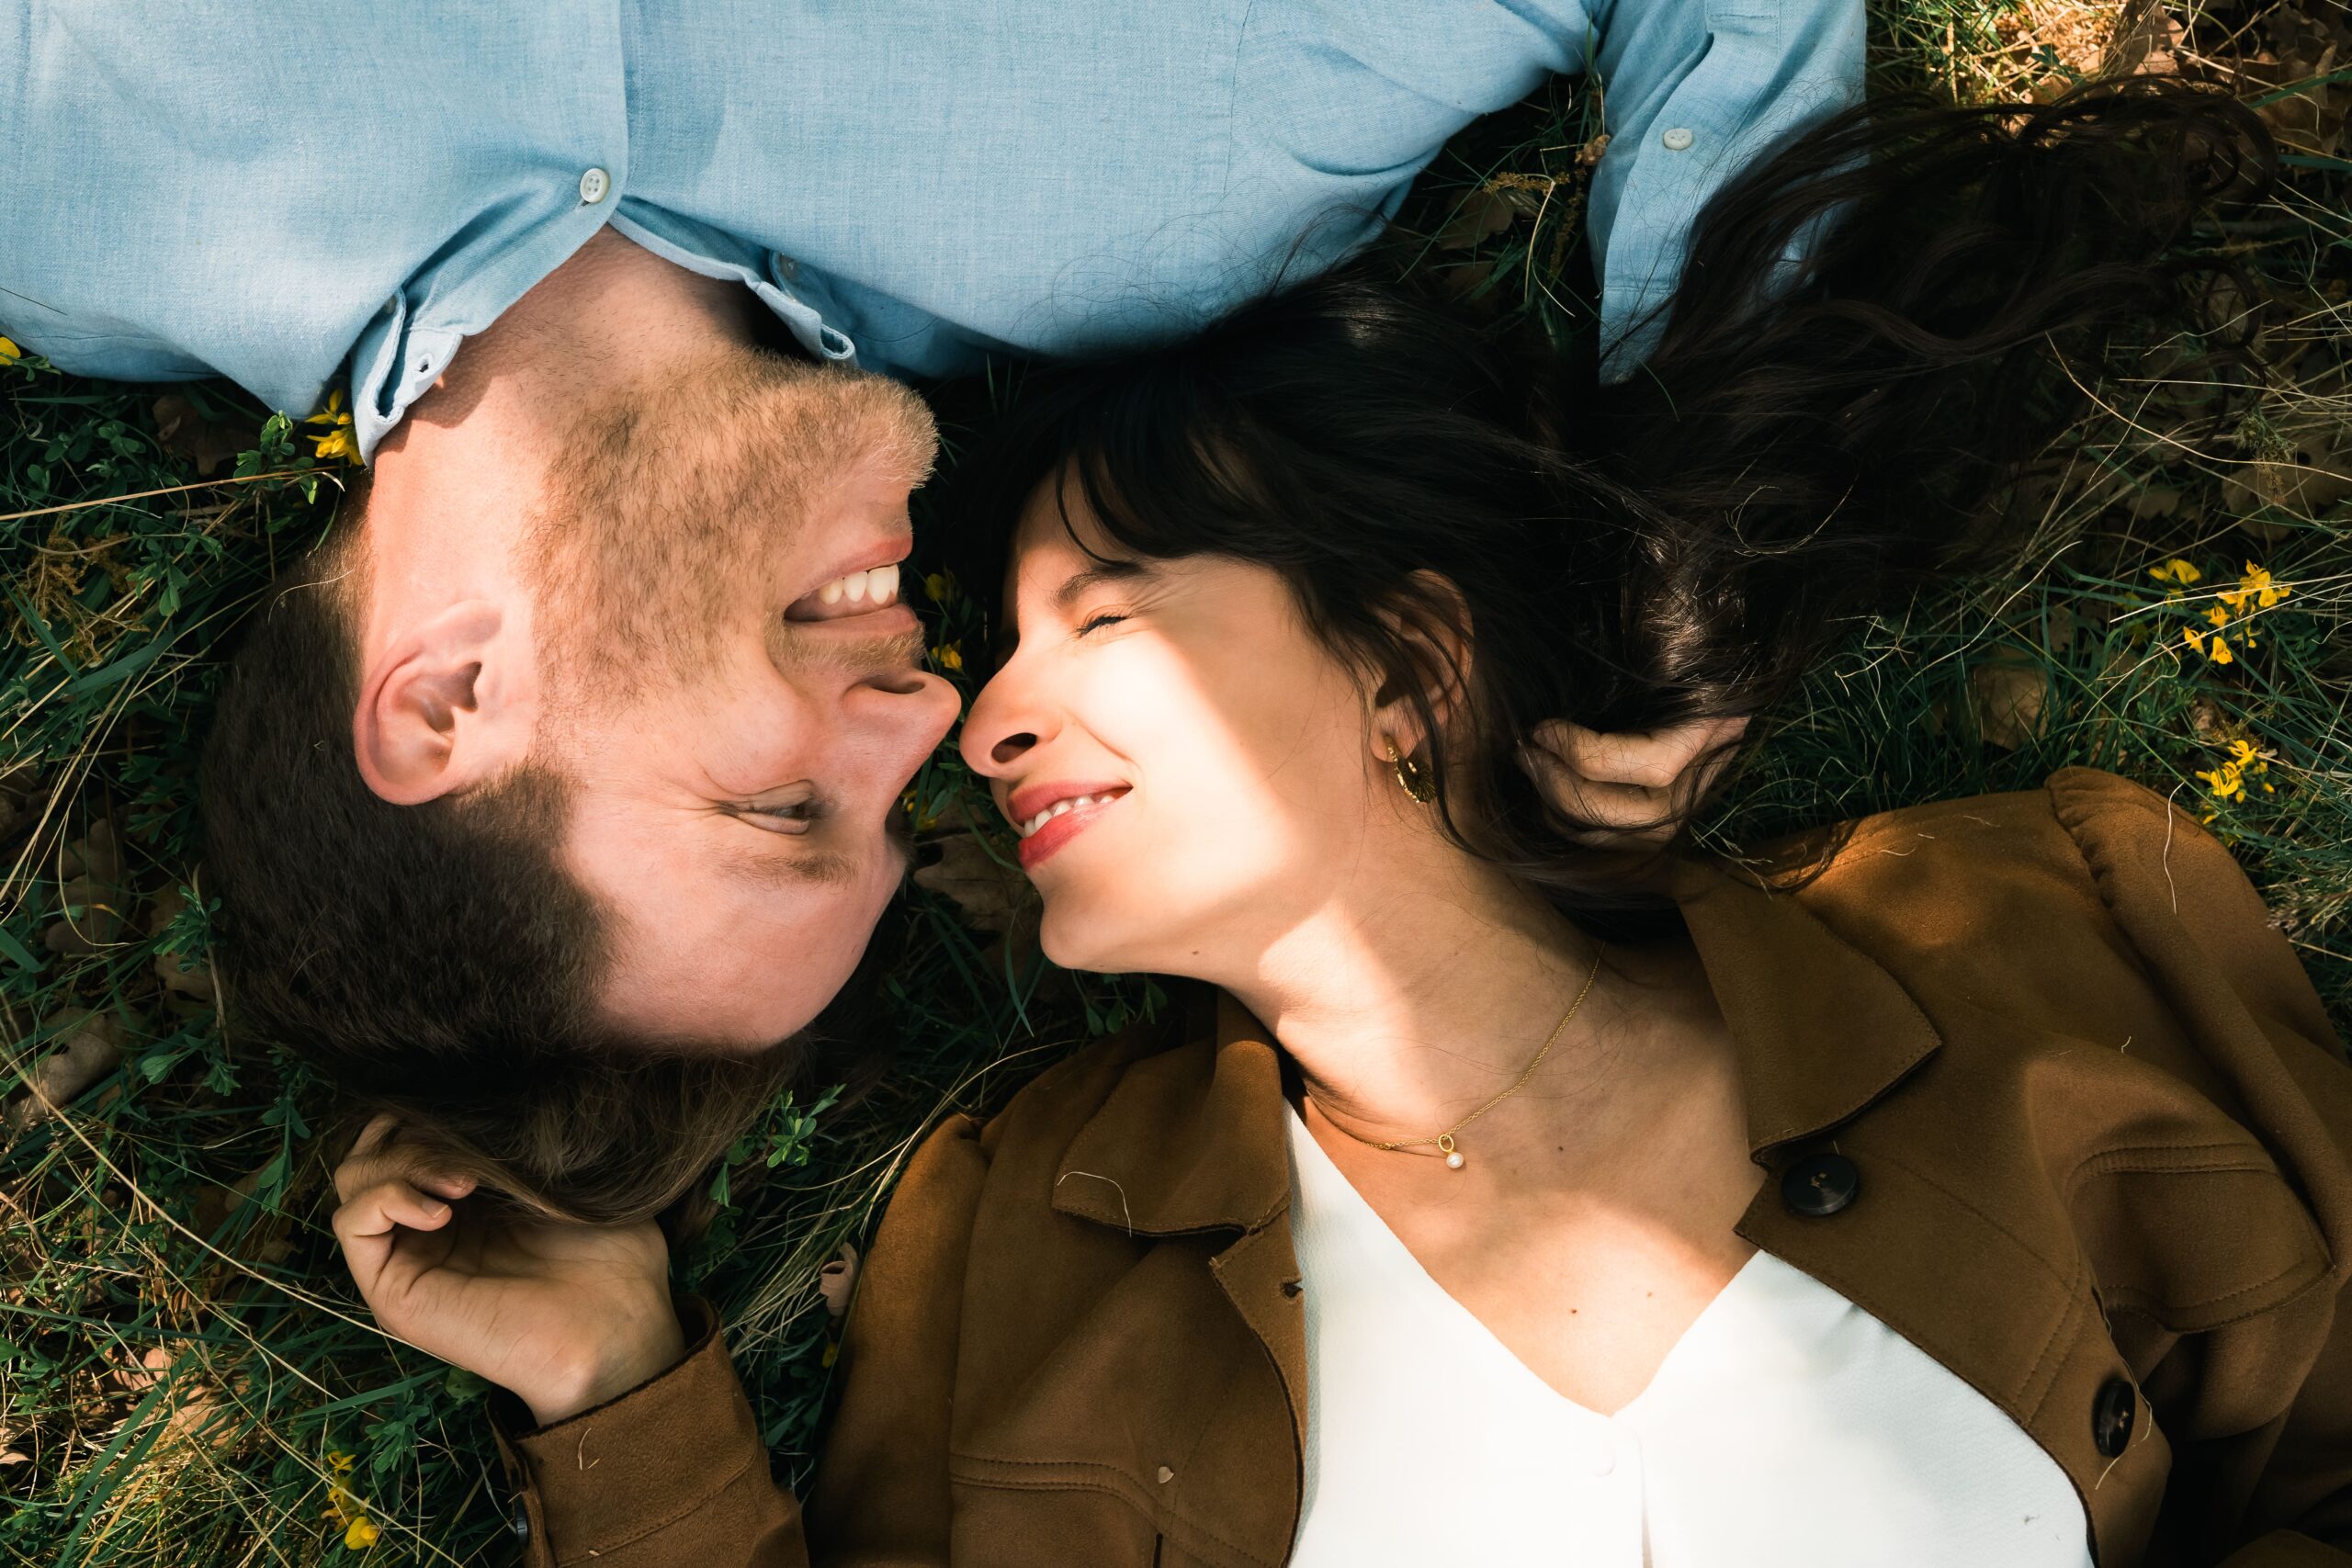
<point>1192,1141</point>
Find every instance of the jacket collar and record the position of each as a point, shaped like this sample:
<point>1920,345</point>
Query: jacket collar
<point>1822,1029</point>
<point>1192,1141</point>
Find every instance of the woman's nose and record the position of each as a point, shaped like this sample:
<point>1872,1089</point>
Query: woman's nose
<point>996,736</point>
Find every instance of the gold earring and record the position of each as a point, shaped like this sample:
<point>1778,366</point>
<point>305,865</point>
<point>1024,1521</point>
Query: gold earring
<point>1412,776</point>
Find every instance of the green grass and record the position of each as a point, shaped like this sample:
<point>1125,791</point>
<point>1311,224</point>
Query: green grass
<point>180,1352</point>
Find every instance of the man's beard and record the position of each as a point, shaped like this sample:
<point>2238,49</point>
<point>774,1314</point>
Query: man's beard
<point>674,508</point>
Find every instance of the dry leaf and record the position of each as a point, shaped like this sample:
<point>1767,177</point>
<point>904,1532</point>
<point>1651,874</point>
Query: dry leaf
<point>89,1045</point>
<point>181,976</point>
<point>93,870</point>
<point>2058,627</point>
<point>186,431</point>
<point>19,789</point>
<point>992,896</point>
<point>2011,698</point>
<point>2146,44</point>
<point>1482,214</point>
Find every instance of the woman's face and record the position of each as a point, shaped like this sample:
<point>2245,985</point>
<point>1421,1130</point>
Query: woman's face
<point>1211,770</point>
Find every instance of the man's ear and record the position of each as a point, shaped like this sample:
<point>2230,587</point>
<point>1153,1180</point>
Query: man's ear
<point>448,704</point>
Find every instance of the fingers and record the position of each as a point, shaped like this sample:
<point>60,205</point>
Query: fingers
<point>350,1174</point>
<point>1629,787</point>
<point>377,1156</point>
<point>370,1222</point>
<point>1653,759</point>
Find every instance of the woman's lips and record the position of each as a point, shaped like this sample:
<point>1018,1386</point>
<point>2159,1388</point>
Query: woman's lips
<point>1048,839</point>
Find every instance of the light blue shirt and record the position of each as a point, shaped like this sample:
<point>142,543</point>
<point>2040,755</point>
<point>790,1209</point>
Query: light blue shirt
<point>323,189</point>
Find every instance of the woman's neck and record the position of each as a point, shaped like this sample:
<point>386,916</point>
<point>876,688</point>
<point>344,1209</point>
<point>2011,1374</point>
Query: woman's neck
<point>1409,1004</point>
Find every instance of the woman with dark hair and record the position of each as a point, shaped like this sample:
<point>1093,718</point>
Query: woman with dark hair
<point>1971,1186</point>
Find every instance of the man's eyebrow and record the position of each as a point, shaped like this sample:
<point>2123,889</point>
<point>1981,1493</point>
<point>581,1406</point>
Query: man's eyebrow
<point>1116,570</point>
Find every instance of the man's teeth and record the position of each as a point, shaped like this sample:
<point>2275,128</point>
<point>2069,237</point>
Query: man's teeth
<point>878,587</point>
<point>1062,808</point>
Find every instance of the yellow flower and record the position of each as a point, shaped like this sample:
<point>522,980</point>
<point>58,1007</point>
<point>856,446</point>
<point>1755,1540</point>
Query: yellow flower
<point>339,1461</point>
<point>941,586</point>
<point>2224,782</point>
<point>2245,760</point>
<point>2256,585</point>
<point>948,655</point>
<point>361,1535</point>
<point>2175,570</point>
<point>2215,648</point>
<point>2218,615</point>
<point>10,351</point>
<point>340,441</point>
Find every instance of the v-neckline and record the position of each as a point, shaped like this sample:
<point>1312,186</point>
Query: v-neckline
<point>1319,1174</point>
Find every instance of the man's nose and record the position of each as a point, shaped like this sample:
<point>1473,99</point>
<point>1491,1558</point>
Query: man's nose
<point>897,719</point>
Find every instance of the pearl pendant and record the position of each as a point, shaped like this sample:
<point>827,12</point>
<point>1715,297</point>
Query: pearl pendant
<point>1454,1160</point>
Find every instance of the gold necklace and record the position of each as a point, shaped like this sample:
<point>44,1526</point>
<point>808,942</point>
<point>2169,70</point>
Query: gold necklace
<point>1455,1159</point>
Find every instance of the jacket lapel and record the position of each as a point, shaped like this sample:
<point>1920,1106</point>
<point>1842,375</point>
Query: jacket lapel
<point>1822,1029</point>
<point>1188,1141</point>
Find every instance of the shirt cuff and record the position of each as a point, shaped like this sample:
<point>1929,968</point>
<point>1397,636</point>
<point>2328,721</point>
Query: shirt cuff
<point>616,1476</point>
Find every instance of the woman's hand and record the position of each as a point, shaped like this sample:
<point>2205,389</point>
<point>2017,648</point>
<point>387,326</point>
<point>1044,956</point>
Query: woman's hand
<point>565,1315</point>
<point>1632,787</point>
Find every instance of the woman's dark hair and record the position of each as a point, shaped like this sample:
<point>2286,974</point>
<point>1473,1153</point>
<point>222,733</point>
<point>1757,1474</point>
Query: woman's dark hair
<point>1808,438</point>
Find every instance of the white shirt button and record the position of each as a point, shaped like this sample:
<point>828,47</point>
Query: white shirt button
<point>1678,138</point>
<point>1600,1458</point>
<point>786,268</point>
<point>595,185</point>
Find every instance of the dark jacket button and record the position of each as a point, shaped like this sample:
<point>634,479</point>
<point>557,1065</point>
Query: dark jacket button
<point>2112,1412</point>
<point>1820,1184</point>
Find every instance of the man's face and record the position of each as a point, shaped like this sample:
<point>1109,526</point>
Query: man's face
<point>733,686</point>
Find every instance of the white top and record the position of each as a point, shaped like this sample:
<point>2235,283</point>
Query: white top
<point>1787,1428</point>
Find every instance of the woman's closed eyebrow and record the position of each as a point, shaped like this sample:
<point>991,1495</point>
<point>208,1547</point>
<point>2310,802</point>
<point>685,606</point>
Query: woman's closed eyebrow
<point>1078,585</point>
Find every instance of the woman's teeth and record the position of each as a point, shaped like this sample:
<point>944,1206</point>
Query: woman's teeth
<point>877,587</point>
<point>1063,807</point>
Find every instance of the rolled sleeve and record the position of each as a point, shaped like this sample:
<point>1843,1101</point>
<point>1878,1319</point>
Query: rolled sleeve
<point>671,1472</point>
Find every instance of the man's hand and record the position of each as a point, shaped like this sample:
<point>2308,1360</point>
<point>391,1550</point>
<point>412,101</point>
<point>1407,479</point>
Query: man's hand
<point>565,1315</point>
<point>1632,787</point>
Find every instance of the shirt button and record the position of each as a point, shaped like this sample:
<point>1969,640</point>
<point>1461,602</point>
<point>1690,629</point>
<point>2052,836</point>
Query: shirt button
<point>786,268</point>
<point>1600,1458</point>
<point>1678,138</point>
<point>594,185</point>
<point>1820,1185</point>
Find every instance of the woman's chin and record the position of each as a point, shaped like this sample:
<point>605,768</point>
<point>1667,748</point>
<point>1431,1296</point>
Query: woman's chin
<point>1094,942</point>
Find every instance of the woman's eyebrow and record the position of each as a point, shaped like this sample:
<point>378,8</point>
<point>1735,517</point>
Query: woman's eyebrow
<point>1074,588</point>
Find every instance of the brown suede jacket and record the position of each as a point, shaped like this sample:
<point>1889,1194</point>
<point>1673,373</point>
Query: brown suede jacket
<point>2041,1088</point>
